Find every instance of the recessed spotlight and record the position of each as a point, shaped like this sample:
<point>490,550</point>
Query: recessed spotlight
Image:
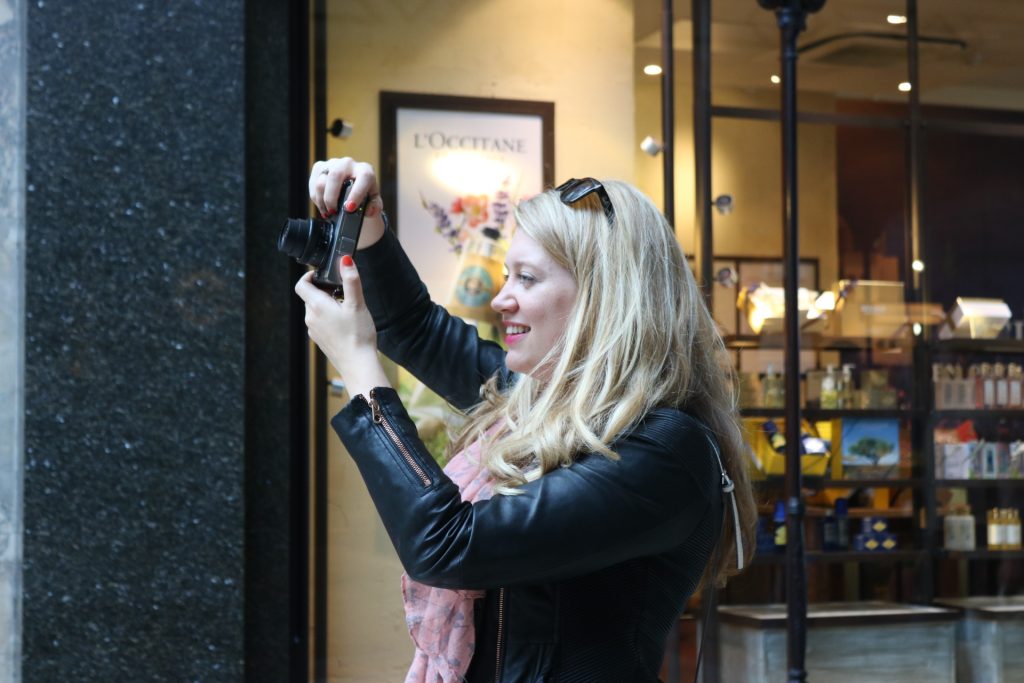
<point>652,70</point>
<point>775,79</point>
<point>896,19</point>
<point>904,86</point>
<point>917,265</point>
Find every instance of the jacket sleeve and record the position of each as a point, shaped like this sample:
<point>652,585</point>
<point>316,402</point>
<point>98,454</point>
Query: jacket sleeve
<point>441,350</point>
<point>572,521</point>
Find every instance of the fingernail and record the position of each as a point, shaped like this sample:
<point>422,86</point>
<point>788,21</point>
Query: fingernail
<point>347,261</point>
<point>351,206</point>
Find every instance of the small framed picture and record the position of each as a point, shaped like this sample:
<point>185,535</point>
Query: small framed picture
<point>870,448</point>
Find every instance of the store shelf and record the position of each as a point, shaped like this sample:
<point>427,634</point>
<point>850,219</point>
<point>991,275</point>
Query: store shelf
<point>979,346</point>
<point>813,342</point>
<point>978,414</point>
<point>818,414</point>
<point>818,483</point>
<point>1005,555</point>
<point>838,556</point>
<point>980,483</point>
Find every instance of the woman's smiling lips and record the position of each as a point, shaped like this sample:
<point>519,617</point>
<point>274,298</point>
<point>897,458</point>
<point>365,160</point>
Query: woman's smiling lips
<point>514,332</point>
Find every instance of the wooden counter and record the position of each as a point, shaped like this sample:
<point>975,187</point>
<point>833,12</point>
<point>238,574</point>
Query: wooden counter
<point>846,643</point>
<point>989,639</point>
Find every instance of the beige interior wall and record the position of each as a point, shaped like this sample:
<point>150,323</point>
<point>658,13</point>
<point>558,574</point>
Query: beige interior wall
<point>575,53</point>
<point>746,162</point>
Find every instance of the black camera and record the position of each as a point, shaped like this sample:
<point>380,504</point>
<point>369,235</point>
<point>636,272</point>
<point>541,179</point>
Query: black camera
<point>322,243</point>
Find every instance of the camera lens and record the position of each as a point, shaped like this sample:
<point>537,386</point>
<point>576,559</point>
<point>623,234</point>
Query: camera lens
<point>306,240</point>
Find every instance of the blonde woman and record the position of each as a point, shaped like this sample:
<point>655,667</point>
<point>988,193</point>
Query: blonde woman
<point>600,478</point>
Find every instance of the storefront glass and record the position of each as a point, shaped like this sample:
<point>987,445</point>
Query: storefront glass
<point>902,210</point>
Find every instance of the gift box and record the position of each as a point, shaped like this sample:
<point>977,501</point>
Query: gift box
<point>975,318</point>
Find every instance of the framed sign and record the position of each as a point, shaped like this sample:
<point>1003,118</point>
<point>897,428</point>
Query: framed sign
<point>452,170</point>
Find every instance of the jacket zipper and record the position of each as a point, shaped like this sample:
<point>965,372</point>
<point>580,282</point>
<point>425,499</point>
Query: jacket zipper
<point>501,632</point>
<point>378,418</point>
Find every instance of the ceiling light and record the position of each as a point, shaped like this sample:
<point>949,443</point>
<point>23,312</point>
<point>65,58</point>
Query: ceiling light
<point>904,86</point>
<point>917,265</point>
<point>775,79</point>
<point>652,70</point>
<point>896,19</point>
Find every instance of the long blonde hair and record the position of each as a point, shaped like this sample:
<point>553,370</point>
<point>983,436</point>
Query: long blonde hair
<point>639,337</point>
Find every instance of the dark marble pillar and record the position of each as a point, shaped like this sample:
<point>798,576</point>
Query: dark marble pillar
<point>158,488</point>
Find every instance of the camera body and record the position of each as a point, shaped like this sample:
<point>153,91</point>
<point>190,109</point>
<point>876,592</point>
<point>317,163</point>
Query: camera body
<point>321,243</point>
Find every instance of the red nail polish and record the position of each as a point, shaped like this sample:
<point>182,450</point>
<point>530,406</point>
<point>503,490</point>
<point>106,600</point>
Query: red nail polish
<point>347,261</point>
<point>351,206</point>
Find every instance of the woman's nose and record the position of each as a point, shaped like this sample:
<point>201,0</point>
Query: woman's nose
<point>502,302</point>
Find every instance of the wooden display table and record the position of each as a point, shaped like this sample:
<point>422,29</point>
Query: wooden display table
<point>846,643</point>
<point>989,639</point>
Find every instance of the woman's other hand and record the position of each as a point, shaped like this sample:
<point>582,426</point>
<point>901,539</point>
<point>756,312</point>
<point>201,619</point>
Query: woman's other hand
<point>325,182</point>
<point>344,330</point>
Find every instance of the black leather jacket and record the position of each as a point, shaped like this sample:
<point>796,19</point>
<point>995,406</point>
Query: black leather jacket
<point>584,572</point>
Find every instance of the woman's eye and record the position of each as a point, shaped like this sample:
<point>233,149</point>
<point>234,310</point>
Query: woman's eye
<point>526,278</point>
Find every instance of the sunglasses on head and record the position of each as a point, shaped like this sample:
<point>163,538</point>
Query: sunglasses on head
<point>575,189</point>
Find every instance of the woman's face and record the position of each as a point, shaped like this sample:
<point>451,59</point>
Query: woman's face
<point>534,304</point>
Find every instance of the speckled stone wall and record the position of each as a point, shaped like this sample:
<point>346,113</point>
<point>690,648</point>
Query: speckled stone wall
<point>12,231</point>
<point>139,235</point>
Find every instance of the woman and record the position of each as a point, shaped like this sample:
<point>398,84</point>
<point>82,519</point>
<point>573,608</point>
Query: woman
<point>601,454</point>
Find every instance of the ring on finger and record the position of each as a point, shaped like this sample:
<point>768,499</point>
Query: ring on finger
<point>338,294</point>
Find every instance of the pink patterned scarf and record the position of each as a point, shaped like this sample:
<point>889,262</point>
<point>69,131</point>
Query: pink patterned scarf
<point>440,621</point>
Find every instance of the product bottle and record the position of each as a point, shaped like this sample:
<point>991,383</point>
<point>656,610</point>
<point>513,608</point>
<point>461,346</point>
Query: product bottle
<point>780,526</point>
<point>480,274</point>
<point>1002,385</point>
<point>988,387</point>
<point>996,531</point>
<point>829,394</point>
<point>959,528</point>
<point>1013,529</point>
<point>847,392</point>
<point>776,439</point>
<point>842,524</point>
<point>977,400</point>
<point>774,389</point>
<point>1014,380</point>
<point>829,532</point>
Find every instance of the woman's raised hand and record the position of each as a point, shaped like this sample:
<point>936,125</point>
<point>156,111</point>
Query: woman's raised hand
<point>325,181</point>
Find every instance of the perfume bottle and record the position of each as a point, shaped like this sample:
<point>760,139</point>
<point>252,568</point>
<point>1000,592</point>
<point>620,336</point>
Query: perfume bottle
<point>829,392</point>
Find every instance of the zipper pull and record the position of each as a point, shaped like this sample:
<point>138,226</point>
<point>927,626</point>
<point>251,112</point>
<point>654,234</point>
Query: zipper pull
<point>375,410</point>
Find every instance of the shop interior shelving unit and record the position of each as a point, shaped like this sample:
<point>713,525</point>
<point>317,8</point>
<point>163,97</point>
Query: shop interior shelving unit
<point>922,570</point>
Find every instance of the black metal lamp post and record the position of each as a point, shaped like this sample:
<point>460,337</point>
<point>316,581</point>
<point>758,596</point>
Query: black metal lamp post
<point>791,16</point>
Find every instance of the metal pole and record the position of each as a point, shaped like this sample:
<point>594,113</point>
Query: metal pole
<point>703,249</point>
<point>319,379</point>
<point>668,107</point>
<point>913,279</point>
<point>791,16</point>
